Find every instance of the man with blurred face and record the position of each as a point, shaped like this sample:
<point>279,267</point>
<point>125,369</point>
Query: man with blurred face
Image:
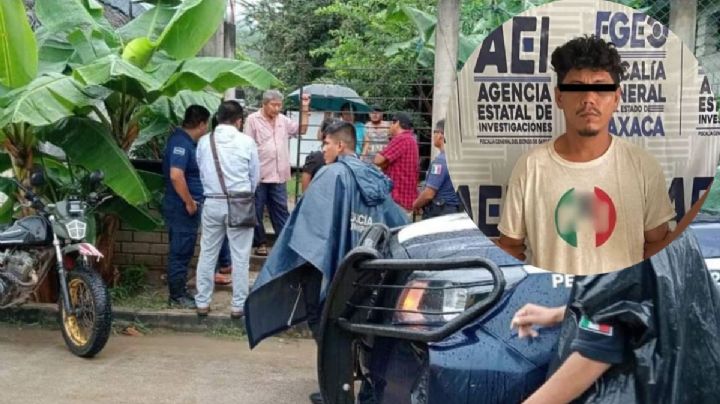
<point>347,114</point>
<point>399,160</point>
<point>376,134</point>
<point>271,130</point>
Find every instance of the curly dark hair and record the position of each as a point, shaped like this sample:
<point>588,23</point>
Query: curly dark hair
<point>587,52</point>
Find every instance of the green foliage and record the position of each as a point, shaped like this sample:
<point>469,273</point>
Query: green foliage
<point>132,282</point>
<point>283,34</point>
<point>356,53</point>
<point>18,48</point>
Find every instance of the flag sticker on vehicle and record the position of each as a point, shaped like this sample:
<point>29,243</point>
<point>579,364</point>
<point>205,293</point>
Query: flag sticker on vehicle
<point>437,169</point>
<point>597,328</point>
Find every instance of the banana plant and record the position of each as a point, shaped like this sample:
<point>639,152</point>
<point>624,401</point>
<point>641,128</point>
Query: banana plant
<point>87,88</point>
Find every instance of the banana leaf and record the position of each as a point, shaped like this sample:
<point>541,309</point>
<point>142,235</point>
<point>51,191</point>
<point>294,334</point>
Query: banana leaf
<point>89,144</point>
<point>167,112</point>
<point>194,23</point>
<point>155,126</point>
<point>44,101</point>
<point>220,74</point>
<point>18,49</point>
<point>89,46</point>
<point>137,217</point>
<point>119,75</point>
<point>5,162</point>
<point>7,199</point>
<point>54,54</point>
<point>149,24</point>
<point>66,16</point>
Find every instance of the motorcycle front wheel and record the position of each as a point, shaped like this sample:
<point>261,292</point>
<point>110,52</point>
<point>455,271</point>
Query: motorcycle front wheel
<point>87,330</point>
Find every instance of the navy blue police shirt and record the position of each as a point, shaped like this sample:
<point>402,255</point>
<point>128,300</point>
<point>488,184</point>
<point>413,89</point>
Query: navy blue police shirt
<point>438,179</point>
<point>180,153</point>
<point>602,342</point>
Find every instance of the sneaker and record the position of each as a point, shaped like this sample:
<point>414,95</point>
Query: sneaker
<point>221,279</point>
<point>182,302</point>
<point>316,398</point>
<point>236,314</point>
<point>203,311</point>
<point>261,250</point>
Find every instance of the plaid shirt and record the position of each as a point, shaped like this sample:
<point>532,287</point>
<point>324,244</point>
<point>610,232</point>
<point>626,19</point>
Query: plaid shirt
<point>402,154</point>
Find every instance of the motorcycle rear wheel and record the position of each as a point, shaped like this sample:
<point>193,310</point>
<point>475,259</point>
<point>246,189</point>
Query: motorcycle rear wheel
<point>87,330</point>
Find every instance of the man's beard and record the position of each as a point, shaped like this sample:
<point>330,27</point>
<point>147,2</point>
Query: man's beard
<point>588,132</point>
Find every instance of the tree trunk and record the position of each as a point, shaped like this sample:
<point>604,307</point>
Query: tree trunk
<point>106,245</point>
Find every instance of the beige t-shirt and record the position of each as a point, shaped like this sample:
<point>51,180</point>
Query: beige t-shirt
<point>585,218</point>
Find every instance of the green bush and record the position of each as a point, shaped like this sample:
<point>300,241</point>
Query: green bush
<point>132,282</point>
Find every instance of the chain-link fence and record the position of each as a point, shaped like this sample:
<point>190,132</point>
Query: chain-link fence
<point>677,15</point>
<point>707,40</point>
<point>374,88</point>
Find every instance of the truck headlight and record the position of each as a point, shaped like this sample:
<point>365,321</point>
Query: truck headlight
<point>436,297</point>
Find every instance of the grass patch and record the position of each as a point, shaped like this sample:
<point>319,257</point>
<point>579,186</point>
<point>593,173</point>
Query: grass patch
<point>133,291</point>
<point>230,332</point>
<point>147,299</point>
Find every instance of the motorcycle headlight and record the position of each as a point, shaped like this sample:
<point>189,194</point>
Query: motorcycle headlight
<point>76,229</point>
<point>436,297</point>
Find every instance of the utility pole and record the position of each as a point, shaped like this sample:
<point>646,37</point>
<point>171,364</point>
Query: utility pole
<point>683,21</point>
<point>222,44</point>
<point>447,32</point>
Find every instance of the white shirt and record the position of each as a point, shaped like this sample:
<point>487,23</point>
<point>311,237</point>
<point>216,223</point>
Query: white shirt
<point>585,218</point>
<point>238,157</point>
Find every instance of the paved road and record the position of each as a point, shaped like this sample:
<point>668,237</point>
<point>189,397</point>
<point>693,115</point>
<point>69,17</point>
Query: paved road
<point>169,367</point>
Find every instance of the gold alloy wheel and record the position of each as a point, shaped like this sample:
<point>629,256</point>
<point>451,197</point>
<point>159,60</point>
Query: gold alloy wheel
<point>79,326</point>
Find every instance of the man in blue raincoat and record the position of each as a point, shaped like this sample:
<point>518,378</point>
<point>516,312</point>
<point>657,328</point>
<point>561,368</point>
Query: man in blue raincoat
<point>345,198</point>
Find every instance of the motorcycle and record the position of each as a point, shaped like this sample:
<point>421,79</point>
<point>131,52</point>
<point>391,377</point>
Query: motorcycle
<point>55,237</point>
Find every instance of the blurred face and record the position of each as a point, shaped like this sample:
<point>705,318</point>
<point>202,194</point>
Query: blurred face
<point>376,117</point>
<point>272,108</point>
<point>587,113</point>
<point>347,116</point>
<point>438,139</point>
<point>332,148</point>
<point>394,128</point>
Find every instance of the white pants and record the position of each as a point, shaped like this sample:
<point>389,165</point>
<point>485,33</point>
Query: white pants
<point>214,228</point>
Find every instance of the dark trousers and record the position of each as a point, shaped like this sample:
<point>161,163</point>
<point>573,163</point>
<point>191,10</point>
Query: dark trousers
<point>274,196</point>
<point>182,233</point>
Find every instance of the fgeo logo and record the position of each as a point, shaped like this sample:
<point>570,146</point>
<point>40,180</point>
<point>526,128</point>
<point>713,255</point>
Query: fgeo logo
<point>575,207</point>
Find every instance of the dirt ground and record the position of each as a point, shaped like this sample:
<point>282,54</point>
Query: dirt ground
<point>161,367</point>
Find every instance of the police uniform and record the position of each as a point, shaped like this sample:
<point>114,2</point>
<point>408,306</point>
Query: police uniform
<point>438,178</point>
<point>182,228</point>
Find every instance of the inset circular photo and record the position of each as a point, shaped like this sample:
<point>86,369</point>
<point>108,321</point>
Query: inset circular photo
<point>581,135</point>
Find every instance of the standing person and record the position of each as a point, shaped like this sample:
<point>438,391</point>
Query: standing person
<point>586,202</point>
<point>399,160</point>
<point>438,197</point>
<point>346,197</point>
<point>270,129</point>
<point>315,160</point>
<point>237,158</point>
<point>347,114</point>
<point>183,194</point>
<point>376,135</point>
